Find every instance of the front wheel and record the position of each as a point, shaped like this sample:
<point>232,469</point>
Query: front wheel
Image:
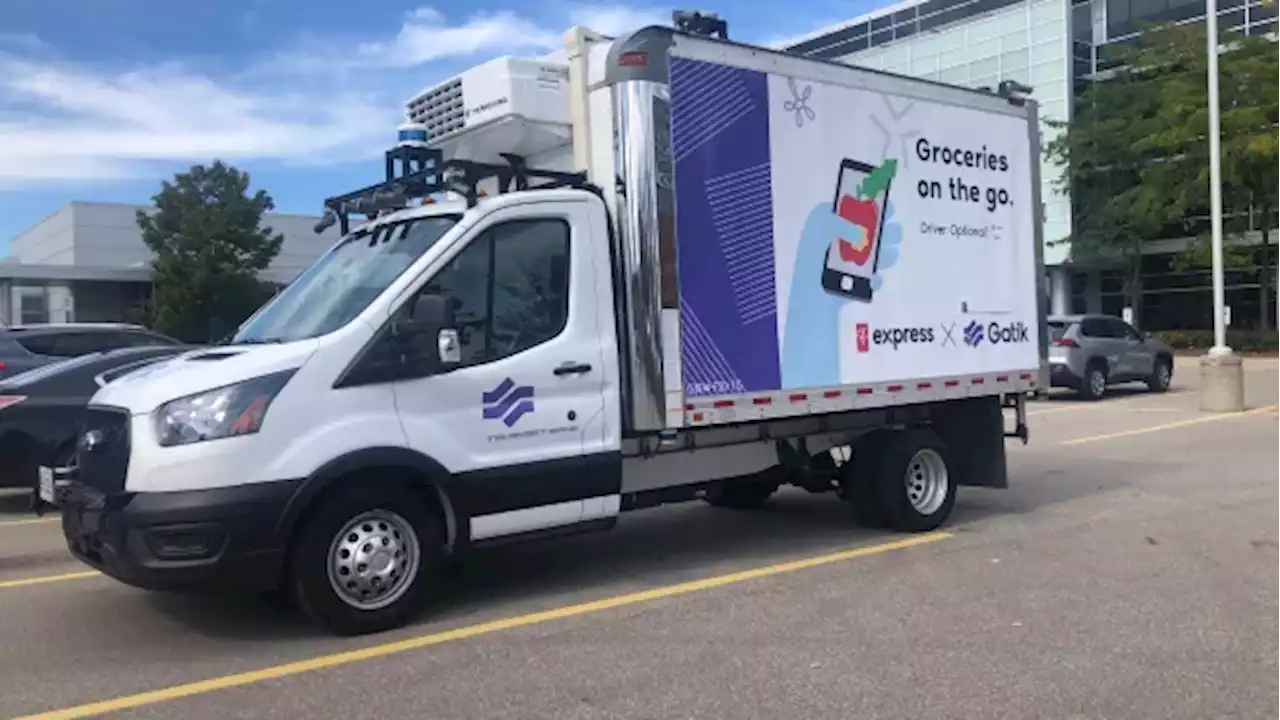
<point>362,562</point>
<point>1161,376</point>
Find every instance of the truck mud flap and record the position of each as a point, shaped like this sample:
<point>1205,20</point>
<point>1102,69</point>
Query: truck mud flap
<point>974,430</point>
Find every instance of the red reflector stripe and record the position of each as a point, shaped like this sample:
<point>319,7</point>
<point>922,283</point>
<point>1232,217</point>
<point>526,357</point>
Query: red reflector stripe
<point>723,403</point>
<point>1024,376</point>
<point>799,397</point>
<point>1002,378</point>
<point>978,381</point>
<point>864,391</point>
<point>831,394</point>
<point>952,383</point>
<point>923,386</point>
<point>762,401</point>
<point>894,388</point>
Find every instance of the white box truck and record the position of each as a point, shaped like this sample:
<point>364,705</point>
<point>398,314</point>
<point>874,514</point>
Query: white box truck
<point>649,269</point>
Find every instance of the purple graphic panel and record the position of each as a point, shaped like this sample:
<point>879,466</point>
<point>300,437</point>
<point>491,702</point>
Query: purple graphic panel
<point>724,228</point>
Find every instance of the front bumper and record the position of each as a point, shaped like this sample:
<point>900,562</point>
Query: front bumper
<point>223,539</point>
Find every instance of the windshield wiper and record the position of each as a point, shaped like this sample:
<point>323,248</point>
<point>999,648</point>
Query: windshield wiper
<point>257,341</point>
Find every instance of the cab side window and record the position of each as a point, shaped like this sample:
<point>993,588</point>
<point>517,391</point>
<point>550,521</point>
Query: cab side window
<point>509,288</point>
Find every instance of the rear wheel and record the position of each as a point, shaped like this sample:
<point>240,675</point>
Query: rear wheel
<point>1094,385</point>
<point>747,493</point>
<point>1161,375</point>
<point>362,562</point>
<point>858,479</point>
<point>915,490</point>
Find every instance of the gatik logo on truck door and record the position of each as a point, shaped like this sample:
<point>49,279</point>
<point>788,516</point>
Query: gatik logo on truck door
<point>894,337</point>
<point>995,333</point>
<point>508,402</point>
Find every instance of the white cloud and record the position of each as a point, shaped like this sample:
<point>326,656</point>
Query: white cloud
<point>618,19</point>
<point>74,122</point>
<point>426,37</point>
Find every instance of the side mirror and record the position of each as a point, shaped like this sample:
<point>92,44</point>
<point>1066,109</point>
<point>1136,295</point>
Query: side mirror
<point>428,333</point>
<point>431,311</point>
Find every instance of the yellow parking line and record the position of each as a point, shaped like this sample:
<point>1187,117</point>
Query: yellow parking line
<point>29,521</point>
<point>1105,404</point>
<point>225,682</point>
<point>45,579</point>
<point>1168,426</point>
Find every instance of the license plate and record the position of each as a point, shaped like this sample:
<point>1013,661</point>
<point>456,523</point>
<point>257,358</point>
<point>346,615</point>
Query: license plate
<point>48,492</point>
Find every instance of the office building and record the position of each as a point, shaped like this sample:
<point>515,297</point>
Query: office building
<point>1056,47</point>
<point>87,263</point>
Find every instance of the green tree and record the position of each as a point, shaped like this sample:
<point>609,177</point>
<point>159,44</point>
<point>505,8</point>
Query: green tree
<point>1137,148</point>
<point>209,245</point>
<point>1249,104</point>
<point>1107,171</point>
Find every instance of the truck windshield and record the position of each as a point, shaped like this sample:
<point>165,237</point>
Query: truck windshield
<point>342,283</point>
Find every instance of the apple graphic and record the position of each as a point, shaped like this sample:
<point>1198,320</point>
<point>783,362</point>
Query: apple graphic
<point>865,215</point>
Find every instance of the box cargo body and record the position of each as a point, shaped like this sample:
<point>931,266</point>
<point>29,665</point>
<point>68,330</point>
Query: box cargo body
<point>741,167</point>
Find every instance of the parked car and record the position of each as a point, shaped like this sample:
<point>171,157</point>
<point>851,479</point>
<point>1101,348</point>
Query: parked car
<point>1089,353</point>
<point>41,409</point>
<point>23,347</point>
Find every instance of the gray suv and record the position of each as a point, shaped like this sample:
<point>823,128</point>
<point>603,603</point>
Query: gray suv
<point>1090,352</point>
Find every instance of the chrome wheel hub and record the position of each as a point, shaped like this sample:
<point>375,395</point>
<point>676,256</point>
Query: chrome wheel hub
<point>928,481</point>
<point>374,559</point>
<point>1097,383</point>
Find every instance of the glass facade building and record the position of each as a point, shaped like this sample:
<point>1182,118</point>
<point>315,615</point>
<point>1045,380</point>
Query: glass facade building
<point>1057,47</point>
<point>976,44</point>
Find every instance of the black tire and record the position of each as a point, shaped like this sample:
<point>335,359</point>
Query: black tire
<point>925,501</point>
<point>747,493</point>
<point>858,480</point>
<point>1094,384</point>
<point>1161,375</point>
<point>308,573</point>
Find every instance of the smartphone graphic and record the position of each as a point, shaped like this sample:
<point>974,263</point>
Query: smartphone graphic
<point>851,261</point>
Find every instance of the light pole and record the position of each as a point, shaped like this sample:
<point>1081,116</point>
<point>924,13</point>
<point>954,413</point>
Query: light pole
<point>1220,347</point>
<point>1221,371</point>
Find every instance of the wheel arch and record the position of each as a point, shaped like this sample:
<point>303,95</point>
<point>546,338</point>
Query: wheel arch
<point>417,469</point>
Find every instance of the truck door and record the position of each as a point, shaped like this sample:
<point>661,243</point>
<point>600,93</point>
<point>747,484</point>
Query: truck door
<point>1139,359</point>
<point>518,422</point>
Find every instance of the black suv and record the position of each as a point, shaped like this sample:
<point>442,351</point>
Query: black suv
<point>23,347</point>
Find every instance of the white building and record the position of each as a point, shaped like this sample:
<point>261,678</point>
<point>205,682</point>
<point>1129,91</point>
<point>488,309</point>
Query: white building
<point>87,262</point>
<point>1055,47</point>
<point>974,43</point>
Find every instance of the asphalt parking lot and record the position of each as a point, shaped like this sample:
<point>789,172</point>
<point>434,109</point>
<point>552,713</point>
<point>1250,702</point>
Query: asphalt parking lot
<point>1129,572</point>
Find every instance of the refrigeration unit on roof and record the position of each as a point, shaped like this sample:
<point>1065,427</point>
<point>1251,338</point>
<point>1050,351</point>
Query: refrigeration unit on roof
<point>506,105</point>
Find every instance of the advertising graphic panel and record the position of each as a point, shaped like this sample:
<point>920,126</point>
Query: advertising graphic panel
<point>830,235</point>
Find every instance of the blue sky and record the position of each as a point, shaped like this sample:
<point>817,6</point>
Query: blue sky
<point>101,99</point>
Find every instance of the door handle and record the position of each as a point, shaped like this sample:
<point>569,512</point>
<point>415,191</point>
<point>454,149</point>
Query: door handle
<point>572,368</point>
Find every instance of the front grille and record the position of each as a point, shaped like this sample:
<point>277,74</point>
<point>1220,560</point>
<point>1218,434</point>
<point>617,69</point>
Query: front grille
<point>102,453</point>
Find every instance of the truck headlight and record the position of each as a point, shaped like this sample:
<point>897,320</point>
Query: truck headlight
<point>228,411</point>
